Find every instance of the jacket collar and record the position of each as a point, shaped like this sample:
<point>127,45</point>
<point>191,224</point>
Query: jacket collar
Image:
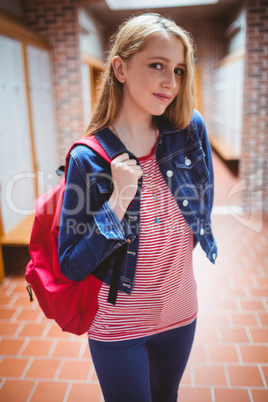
<point>110,143</point>
<point>113,146</point>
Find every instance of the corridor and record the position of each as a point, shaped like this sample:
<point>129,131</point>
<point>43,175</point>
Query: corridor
<point>229,360</point>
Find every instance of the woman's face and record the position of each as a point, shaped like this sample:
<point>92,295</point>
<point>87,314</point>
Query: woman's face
<point>152,77</point>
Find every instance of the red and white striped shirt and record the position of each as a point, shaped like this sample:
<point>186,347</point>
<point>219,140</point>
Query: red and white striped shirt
<point>164,292</point>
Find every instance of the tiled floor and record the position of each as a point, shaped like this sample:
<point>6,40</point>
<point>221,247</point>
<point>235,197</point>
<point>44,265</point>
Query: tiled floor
<point>229,361</point>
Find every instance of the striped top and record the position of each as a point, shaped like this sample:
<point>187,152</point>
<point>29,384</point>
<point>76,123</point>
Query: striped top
<point>164,292</point>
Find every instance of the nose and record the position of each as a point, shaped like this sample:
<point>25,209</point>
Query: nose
<point>169,80</point>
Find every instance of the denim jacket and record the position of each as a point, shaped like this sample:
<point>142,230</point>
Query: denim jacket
<point>90,231</point>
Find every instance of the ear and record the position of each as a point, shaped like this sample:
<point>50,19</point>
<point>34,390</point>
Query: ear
<point>119,68</point>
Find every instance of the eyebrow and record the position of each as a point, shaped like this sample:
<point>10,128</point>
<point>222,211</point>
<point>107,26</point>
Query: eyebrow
<point>165,59</point>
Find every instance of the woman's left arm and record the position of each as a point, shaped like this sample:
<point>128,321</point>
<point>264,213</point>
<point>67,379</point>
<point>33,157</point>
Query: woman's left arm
<point>202,132</point>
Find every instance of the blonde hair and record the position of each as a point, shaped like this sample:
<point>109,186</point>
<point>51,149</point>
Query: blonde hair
<point>131,38</point>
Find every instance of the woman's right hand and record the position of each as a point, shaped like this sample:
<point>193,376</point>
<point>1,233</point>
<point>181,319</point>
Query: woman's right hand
<point>125,173</point>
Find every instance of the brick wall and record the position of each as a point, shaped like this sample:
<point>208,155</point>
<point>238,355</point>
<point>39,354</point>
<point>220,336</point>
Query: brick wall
<point>253,165</point>
<point>57,21</point>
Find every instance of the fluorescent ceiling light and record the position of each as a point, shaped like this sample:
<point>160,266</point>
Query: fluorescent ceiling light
<point>140,4</point>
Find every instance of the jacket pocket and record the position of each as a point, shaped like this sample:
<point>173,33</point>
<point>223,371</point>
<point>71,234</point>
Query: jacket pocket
<point>191,166</point>
<point>105,188</point>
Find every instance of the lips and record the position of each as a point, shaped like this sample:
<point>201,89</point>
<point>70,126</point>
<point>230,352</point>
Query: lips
<point>162,97</point>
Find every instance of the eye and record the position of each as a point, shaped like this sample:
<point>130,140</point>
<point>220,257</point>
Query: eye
<point>179,71</point>
<point>156,66</point>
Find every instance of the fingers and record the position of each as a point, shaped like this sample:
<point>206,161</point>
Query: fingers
<point>121,158</point>
<point>124,160</point>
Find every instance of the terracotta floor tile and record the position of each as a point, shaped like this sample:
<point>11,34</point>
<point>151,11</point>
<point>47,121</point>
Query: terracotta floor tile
<point>209,375</point>
<point>205,335</point>
<point>245,376</point>
<point>262,281</point>
<point>232,395</point>
<point>259,335</point>
<point>50,391</point>
<point>220,354</point>
<point>8,328</point>
<point>84,393</point>
<point>20,288</point>
<point>236,292</point>
<point>86,354</point>
<point>37,348</point>
<point>229,305</point>
<point>188,394</point>
<point>67,349</point>
<point>244,319</point>
<point>23,301</point>
<point>16,391</point>
<point>254,354</point>
<point>260,292</point>
<point>4,289</point>
<point>43,368</point>
<point>260,395</point>
<point>75,370</point>
<point>7,313</point>
<point>234,335</point>
<point>197,354</point>
<point>243,280</point>
<point>264,318</point>
<point>12,367</point>
<point>5,300</point>
<point>56,332</point>
<point>10,346</point>
<point>28,315</point>
<point>218,319</point>
<point>30,330</point>
<point>186,378</point>
<point>265,372</point>
<point>252,305</point>
<point>94,376</point>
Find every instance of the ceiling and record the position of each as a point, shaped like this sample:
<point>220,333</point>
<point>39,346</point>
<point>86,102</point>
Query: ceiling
<point>224,9</point>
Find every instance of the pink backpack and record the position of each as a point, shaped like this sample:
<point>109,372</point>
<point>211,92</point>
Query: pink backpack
<point>71,304</point>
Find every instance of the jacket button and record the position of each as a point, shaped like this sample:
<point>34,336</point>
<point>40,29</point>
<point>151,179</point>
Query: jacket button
<point>187,162</point>
<point>128,241</point>
<point>214,256</point>
<point>185,203</point>
<point>169,173</point>
<point>201,232</point>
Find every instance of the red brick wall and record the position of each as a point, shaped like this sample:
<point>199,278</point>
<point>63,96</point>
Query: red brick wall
<point>253,165</point>
<point>57,21</point>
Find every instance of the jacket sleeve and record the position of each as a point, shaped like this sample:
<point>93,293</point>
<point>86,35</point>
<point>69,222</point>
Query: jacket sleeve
<point>87,235</point>
<point>202,132</point>
<point>209,185</point>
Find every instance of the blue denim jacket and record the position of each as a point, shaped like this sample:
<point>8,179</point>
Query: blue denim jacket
<point>90,231</point>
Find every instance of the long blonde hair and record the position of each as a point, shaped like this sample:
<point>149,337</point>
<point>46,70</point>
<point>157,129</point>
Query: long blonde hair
<point>131,38</point>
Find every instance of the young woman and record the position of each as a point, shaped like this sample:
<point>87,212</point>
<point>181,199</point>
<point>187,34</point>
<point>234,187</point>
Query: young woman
<point>142,215</point>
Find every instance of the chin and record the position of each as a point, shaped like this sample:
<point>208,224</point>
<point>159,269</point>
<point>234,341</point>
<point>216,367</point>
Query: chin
<point>159,112</point>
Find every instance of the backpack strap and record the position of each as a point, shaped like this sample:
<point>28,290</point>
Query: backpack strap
<point>90,142</point>
<point>93,143</point>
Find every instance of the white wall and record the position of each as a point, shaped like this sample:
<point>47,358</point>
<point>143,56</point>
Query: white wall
<point>17,191</point>
<point>238,41</point>
<point>86,87</point>
<point>229,105</point>
<point>43,118</point>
